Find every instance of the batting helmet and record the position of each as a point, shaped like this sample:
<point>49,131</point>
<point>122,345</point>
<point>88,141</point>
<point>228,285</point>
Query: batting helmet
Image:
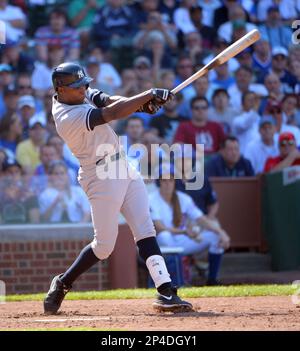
<point>69,75</point>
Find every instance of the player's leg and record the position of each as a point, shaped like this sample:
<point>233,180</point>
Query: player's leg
<point>136,211</point>
<point>105,207</point>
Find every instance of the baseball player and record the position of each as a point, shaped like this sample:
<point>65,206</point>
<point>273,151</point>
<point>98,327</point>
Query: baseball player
<point>82,117</point>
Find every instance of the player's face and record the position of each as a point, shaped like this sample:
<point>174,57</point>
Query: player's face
<point>72,96</point>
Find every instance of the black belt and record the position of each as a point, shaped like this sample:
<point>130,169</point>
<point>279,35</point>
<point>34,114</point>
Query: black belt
<point>114,157</point>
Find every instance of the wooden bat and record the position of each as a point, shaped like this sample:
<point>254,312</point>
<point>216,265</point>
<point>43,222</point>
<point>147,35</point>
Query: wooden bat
<point>223,56</point>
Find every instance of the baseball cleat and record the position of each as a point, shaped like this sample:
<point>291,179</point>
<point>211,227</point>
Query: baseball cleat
<point>55,296</point>
<point>169,301</point>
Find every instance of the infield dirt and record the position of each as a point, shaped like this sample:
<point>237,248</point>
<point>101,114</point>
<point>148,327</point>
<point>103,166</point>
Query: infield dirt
<point>230,313</point>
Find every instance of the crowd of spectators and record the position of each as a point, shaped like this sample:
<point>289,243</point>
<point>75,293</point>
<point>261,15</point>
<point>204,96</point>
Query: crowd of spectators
<point>245,112</point>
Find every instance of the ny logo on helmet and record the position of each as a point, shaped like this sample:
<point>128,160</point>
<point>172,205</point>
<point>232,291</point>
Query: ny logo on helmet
<point>80,74</point>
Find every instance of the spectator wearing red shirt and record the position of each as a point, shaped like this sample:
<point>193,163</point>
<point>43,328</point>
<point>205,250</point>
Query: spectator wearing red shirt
<point>199,130</point>
<point>289,155</point>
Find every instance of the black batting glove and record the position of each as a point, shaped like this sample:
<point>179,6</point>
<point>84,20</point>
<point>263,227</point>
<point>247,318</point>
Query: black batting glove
<point>161,96</point>
<point>149,107</point>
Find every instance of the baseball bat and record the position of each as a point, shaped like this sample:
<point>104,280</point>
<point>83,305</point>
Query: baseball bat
<point>233,50</point>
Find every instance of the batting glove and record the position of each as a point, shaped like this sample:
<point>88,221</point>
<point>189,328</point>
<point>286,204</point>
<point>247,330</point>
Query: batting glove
<point>161,96</point>
<point>149,107</point>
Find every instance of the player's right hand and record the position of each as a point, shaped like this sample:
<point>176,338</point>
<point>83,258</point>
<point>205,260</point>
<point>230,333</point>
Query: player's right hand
<point>161,96</point>
<point>150,107</point>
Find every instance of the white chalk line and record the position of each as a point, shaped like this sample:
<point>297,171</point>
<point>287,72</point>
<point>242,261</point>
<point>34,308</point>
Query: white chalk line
<point>58,320</point>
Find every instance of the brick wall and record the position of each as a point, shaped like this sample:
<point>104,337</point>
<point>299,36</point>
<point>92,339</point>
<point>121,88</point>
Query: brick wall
<point>31,256</point>
<point>28,267</point>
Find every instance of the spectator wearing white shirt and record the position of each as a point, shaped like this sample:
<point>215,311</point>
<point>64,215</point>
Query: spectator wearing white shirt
<point>179,223</point>
<point>182,18</point>
<point>14,19</point>
<point>62,202</point>
<point>259,150</point>
<point>243,76</point>
<point>245,126</point>
<point>286,8</point>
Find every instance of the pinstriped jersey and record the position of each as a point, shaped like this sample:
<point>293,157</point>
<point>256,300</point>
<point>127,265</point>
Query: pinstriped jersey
<point>72,125</point>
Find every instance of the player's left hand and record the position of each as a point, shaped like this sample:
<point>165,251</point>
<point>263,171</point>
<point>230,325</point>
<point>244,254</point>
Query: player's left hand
<point>161,96</point>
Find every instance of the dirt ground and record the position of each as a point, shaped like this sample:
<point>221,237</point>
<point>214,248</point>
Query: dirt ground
<point>237,313</point>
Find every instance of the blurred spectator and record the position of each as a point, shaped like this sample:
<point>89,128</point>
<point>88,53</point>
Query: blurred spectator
<point>6,81</point>
<point>287,9</point>
<point>194,48</point>
<point>179,223</point>
<point>223,78</point>
<point>42,74</point>
<point>142,9</point>
<point>290,110</point>
<point>62,202</point>
<point>47,100</point>
<point>129,85</point>
<point>167,79</point>
<point>108,75</point>
<point>237,19</point>
<point>207,33</point>
<point>142,68</point>
<point>199,130</point>
<point>260,149</point>
<point>134,130</point>
<point>274,88</point>
<point>184,69</point>
<point>274,31</point>
<point>93,71</point>
<point>114,25</point>
<point>275,110</point>
<point>28,151</point>
<point>229,162</point>
<point>10,132</point>
<point>10,100</point>
<point>62,153</point>
<point>3,158</point>
<point>166,124</point>
<point>24,87</point>
<point>261,58</point>
<point>182,18</point>
<point>14,19</point>
<point>208,11</point>
<point>81,14</point>
<point>295,69</point>
<point>279,67</point>
<point>245,126</point>
<point>289,155</point>
<point>18,205</point>
<point>14,56</point>
<point>243,84</point>
<point>221,14</point>
<point>58,33</point>
<point>220,111</point>
<point>245,57</point>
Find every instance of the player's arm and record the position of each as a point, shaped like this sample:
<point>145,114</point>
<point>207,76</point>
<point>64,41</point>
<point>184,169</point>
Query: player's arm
<point>215,227</point>
<point>124,107</point>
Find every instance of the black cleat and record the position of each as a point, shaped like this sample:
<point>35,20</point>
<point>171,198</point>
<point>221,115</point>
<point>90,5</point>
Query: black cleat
<point>55,296</point>
<point>213,282</point>
<point>169,301</point>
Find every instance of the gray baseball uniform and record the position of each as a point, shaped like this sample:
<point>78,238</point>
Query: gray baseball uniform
<point>108,197</point>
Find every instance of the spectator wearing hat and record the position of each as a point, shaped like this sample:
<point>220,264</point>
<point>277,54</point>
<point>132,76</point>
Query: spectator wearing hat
<point>229,162</point>
<point>287,9</point>
<point>245,125</point>
<point>260,149</point>
<point>10,132</point>
<point>243,77</point>
<point>14,19</point>
<point>274,109</point>
<point>184,69</point>
<point>26,110</point>
<point>10,99</point>
<point>18,205</point>
<point>280,67</point>
<point>289,155</point>
<point>273,29</point>
<point>93,68</point>
<point>223,78</point>
<point>194,48</point>
<point>143,69</point>
<point>237,19</point>
<point>199,130</point>
<point>28,151</point>
<point>19,60</point>
<point>221,111</point>
<point>274,88</point>
<point>58,33</point>
<point>24,87</point>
